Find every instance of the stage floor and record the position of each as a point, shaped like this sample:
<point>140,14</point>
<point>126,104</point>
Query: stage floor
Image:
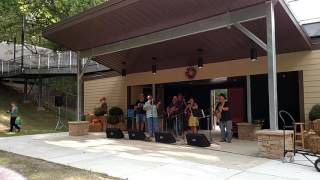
<point>149,160</point>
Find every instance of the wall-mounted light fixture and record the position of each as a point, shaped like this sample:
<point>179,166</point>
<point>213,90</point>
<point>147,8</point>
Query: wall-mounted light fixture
<point>200,58</point>
<point>123,70</point>
<point>253,54</point>
<point>154,66</point>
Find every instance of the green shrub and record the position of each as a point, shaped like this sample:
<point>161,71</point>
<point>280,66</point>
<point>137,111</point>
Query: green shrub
<point>314,112</point>
<point>115,111</point>
<point>115,115</point>
<point>99,112</point>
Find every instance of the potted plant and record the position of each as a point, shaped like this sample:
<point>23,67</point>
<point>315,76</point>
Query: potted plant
<point>314,117</point>
<point>99,112</point>
<point>115,116</point>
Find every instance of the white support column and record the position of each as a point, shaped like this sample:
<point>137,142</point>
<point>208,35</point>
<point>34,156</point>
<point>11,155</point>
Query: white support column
<point>48,61</point>
<point>59,60</point>
<point>249,114</point>
<point>154,91</point>
<point>39,61</point>
<point>272,68</point>
<point>79,88</point>
<point>70,59</point>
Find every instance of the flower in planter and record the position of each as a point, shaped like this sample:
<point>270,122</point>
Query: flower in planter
<point>115,115</point>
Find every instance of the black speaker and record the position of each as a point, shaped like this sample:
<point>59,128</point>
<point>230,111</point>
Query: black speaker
<point>115,133</point>
<point>58,101</point>
<point>164,137</point>
<point>199,140</point>
<point>136,135</point>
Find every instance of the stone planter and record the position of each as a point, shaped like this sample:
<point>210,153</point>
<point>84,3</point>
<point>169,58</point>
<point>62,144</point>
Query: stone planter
<point>270,143</point>
<point>314,144</point>
<point>97,127</point>
<point>78,128</point>
<point>316,126</point>
<point>247,131</point>
<point>307,136</point>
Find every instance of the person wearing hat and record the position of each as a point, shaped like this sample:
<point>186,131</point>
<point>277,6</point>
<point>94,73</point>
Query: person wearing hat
<point>225,124</point>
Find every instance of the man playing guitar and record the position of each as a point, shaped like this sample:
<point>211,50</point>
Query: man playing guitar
<point>223,115</point>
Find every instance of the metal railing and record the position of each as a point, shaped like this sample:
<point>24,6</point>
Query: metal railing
<point>60,62</point>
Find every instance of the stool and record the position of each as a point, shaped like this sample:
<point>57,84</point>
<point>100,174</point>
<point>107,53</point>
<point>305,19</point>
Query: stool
<point>300,134</point>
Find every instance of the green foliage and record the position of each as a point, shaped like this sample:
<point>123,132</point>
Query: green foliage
<point>66,85</point>
<point>115,111</point>
<point>314,112</point>
<point>115,115</point>
<point>99,112</point>
<point>38,15</point>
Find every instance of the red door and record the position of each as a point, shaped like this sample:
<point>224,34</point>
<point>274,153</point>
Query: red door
<point>236,104</point>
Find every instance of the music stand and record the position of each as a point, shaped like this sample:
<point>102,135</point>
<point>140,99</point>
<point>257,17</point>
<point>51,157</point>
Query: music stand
<point>60,124</point>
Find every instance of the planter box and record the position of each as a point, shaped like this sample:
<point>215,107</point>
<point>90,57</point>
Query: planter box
<point>270,143</point>
<point>80,128</point>
<point>97,127</point>
<point>316,126</point>
<point>314,144</point>
<point>247,131</point>
<point>307,141</point>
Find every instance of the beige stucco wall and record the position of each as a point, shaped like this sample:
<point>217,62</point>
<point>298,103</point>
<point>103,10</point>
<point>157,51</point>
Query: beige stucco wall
<point>307,61</point>
<point>114,89</point>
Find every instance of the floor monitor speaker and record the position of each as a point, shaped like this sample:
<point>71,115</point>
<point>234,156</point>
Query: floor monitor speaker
<point>115,133</point>
<point>199,140</point>
<point>165,137</point>
<point>136,135</point>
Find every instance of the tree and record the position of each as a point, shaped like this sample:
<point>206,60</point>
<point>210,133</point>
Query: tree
<point>38,15</point>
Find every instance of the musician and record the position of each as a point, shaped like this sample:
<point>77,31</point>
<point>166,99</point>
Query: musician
<point>172,112</point>
<point>193,121</point>
<point>151,107</point>
<point>181,104</point>
<point>223,112</point>
<point>140,113</point>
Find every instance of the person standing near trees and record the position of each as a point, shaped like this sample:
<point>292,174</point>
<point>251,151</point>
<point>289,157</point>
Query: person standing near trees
<point>13,116</point>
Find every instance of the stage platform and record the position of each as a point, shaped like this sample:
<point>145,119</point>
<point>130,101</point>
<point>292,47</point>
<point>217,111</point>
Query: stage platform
<point>141,160</point>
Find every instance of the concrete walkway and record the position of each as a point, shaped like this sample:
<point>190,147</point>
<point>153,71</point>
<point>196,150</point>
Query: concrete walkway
<point>139,160</point>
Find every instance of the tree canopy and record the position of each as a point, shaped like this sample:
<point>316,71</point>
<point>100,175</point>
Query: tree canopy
<point>38,15</point>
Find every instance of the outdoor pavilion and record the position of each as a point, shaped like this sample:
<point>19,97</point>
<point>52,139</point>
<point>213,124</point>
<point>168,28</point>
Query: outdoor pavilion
<point>134,31</point>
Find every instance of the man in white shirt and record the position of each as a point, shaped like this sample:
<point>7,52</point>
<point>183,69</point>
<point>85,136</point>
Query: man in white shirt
<point>151,109</point>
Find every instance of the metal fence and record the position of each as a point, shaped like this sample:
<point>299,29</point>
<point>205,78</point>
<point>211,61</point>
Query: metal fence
<point>59,62</point>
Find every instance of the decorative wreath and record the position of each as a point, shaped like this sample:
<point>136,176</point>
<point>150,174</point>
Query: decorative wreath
<point>191,72</point>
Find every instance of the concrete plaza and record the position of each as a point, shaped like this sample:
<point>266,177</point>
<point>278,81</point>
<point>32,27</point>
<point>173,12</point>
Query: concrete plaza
<point>140,160</point>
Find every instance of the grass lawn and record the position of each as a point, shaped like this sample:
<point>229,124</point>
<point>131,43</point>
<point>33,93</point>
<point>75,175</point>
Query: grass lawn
<point>39,169</point>
<point>34,122</point>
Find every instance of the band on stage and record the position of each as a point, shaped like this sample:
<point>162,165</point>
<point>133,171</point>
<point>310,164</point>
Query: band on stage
<point>179,117</point>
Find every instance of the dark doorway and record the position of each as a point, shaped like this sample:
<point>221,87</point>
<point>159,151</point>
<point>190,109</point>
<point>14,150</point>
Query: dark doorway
<point>288,96</point>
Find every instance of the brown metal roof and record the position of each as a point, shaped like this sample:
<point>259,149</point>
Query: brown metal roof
<point>120,20</point>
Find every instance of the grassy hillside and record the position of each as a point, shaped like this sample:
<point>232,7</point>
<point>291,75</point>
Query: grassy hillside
<point>34,122</point>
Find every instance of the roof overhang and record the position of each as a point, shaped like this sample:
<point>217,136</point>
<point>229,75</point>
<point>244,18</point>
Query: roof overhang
<point>133,31</point>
